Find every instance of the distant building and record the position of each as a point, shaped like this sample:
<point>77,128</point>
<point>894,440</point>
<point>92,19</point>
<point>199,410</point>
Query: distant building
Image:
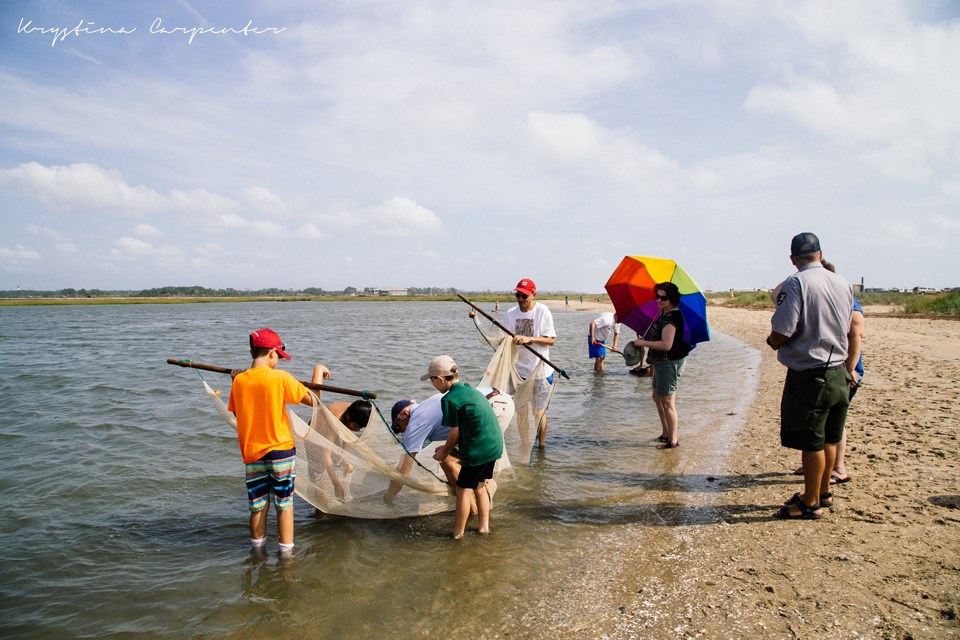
<point>386,291</point>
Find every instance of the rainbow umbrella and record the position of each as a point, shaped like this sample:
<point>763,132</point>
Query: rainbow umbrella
<point>632,291</point>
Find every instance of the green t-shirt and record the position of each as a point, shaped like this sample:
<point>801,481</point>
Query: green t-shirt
<point>481,440</point>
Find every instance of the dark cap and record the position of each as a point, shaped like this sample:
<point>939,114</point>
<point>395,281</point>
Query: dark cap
<point>804,244</point>
<point>399,406</point>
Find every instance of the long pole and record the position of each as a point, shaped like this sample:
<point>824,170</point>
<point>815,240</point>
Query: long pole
<point>513,335</point>
<point>309,385</point>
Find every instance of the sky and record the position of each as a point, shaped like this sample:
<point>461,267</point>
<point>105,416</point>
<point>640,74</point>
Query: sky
<point>468,144</point>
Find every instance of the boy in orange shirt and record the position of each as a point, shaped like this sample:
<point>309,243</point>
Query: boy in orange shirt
<point>258,398</point>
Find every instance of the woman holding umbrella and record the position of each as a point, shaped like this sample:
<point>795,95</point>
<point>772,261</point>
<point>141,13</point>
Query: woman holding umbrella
<point>667,351</point>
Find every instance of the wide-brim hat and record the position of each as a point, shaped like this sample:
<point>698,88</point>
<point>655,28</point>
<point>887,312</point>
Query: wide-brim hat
<point>632,354</point>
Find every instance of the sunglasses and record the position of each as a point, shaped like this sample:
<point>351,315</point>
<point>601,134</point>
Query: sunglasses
<point>282,346</point>
<point>663,298</point>
<point>521,296</point>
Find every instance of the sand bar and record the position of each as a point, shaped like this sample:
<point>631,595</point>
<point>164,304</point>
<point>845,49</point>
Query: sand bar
<point>884,563</point>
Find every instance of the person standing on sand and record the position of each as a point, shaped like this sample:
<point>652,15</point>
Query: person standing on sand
<point>854,364</point>
<point>809,333</point>
<point>600,330</point>
<point>531,323</point>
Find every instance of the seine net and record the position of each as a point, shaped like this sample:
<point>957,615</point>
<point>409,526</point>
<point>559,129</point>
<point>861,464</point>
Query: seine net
<point>531,397</point>
<point>344,473</point>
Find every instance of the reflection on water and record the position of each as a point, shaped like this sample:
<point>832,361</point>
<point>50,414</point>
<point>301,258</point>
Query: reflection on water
<point>137,523</point>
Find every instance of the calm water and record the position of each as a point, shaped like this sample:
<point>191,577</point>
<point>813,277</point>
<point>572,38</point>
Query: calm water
<point>125,510</point>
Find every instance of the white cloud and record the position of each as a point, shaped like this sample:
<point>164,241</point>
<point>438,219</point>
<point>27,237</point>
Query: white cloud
<point>871,76</point>
<point>147,231</point>
<point>17,258</point>
<point>400,215</point>
<point>200,201</point>
<point>309,231</point>
<point>127,248</point>
<point>575,139</point>
<point>397,215</point>
<point>81,185</point>
<point>18,252</point>
<point>264,201</point>
<point>60,244</point>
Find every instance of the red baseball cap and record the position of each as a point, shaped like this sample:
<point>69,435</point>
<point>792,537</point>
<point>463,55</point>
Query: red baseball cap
<point>268,339</point>
<point>526,286</point>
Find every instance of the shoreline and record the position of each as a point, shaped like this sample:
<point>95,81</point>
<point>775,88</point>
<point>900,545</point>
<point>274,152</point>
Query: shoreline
<point>883,563</point>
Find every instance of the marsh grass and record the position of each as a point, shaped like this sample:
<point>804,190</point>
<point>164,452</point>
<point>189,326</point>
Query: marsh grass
<point>937,304</point>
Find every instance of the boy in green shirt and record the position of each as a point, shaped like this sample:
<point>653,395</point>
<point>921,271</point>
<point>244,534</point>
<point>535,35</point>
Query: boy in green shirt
<point>474,427</point>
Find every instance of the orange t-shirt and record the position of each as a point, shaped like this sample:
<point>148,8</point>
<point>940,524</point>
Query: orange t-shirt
<point>257,397</point>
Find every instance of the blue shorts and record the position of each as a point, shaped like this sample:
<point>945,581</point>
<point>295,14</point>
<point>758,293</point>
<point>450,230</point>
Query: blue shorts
<point>271,477</point>
<point>596,350</point>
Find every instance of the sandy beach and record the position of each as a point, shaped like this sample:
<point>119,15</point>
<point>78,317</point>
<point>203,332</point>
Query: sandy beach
<point>883,563</point>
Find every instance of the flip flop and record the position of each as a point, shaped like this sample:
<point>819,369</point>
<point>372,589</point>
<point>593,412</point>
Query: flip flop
<point>835,479</point>
<point>669,445</point>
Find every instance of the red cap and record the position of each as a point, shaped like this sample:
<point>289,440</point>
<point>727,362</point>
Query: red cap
<point>526,286</point>
<point>268,339</point>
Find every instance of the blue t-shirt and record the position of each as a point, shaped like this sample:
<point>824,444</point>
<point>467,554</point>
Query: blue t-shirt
<point>426,423</point>
<point>859,367</point>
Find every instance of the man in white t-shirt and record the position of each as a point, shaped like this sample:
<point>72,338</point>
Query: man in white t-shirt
<point>532,324</point>
<point>600,330</point>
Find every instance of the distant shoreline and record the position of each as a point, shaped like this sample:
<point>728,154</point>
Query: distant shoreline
<point>27,302</point>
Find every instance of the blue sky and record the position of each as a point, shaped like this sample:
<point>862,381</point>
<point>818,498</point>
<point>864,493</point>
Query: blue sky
<point>469,144</point>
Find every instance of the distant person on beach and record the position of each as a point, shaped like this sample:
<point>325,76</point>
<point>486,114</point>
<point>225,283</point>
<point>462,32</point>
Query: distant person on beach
<point>809,331</point>
<point>600,330</point>
<point>257,399</point>
<point>474,429</point>
<point>531,322</point>
<point>667,352</point>
<point>854,365</point>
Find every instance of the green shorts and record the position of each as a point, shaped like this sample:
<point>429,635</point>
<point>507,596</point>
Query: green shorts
<point>666,376</point>
<point>813,408</point>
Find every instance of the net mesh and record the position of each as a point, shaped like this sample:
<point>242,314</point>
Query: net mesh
<point>344,473</point>
<point>531,397</point>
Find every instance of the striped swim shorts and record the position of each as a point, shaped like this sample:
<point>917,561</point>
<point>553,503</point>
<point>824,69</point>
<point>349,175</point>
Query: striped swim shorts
<point>271,477</point>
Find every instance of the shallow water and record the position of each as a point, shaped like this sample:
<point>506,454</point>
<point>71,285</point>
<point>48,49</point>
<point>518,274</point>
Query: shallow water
<point>126,510</point>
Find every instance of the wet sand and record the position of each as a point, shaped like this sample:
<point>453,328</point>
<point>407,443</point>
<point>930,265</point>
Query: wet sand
<point>883,563</point>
